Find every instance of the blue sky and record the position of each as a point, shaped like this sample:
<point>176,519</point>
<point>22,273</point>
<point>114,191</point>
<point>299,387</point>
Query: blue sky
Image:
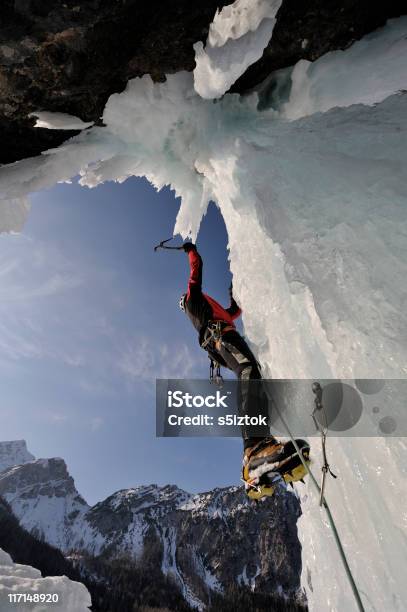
<point>89,318</point>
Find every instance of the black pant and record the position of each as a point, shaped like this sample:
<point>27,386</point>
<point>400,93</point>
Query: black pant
<point>252,400</point>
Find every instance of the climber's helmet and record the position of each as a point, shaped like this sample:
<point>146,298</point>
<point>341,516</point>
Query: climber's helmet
<point>182,301</point>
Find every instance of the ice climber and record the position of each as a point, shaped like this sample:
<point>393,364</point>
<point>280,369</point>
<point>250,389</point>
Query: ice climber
<point>265,460</point>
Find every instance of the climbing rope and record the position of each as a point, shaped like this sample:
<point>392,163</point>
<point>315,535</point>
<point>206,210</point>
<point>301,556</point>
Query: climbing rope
<point>324,503</point>
<point>319,407</point>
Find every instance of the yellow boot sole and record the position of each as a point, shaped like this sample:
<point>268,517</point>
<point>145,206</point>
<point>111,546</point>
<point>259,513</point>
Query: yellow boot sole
<point>295,475</point>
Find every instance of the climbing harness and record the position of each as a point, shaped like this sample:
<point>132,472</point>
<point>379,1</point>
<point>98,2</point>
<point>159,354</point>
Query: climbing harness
<point>331,521</point>
<point>319,407</point>
<point>213,334</point>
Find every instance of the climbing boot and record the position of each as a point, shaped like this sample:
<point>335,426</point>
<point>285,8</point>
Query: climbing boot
<point>271,463</point>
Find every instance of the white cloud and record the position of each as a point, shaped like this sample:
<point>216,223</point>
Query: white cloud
<point>17,341</point>
<point>179,362</point>
<point>8,266</point>
<point>57,418</point>
<point>51,310</point>
<point>96,385</point>
<point>74,360</point>
<point>30,269</point>
<point>144,360</point>
<point>34,276</point>
<point>137,360</point>
<point>96,423</point>
<point>53,285</point>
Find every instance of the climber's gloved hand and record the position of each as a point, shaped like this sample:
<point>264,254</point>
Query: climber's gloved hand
<point>189,246</point>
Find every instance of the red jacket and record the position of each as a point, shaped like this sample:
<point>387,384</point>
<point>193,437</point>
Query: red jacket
<point>201,307</point>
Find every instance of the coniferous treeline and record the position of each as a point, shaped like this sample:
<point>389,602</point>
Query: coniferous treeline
<point>28,550</point>
<point>114,584</point>
<point>121,584</point>
<point>133,586</point>
<point>241,599</point>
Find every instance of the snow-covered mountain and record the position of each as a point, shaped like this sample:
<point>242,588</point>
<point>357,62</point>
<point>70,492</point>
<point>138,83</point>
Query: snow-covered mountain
<point>43,496</point>
<point>14,453</point>
<point>207,541</point>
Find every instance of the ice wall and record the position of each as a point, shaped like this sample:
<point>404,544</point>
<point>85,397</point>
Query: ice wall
<point>59,121</point>
<point>367,502</point>
<point>314,207</point>
<point>313,193</point>
<point>237,38</point>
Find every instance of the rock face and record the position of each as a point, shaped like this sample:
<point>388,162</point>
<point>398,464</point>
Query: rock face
<point>14,453</point>
<point>206,541</point>
<point>209,539</point>
<point>43,497</point>
<point>69,57</point>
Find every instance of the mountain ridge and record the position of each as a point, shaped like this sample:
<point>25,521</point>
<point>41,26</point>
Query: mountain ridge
<point>205,541</point>
<point>14,452</point>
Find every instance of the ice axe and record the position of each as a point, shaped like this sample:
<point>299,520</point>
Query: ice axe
<point>162,245</point>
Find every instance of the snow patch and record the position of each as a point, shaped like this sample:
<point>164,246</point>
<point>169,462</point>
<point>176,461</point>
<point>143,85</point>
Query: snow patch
<point>214,506</point>
<point>48,517</point>
<point>169,567</point>
<point>14,453</point>
<point>244,580</point>
<point>205,573</point>
<point>16,578</point>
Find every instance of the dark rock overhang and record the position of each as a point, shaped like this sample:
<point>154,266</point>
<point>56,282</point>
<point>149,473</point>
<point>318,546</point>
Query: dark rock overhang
<point>71,56</point>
